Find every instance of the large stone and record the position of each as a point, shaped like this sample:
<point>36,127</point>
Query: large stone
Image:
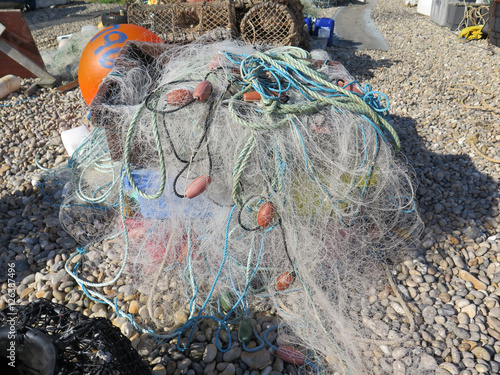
<point>482,353</point>
<point>377,326</point>
<point>232,354</point>
<point>159,369</point>
<point>452,368</point>
<point>256,360</point>
<point>429,313</point>
<point>133,308</point>
<point>230,370</point>
<point>466,276</point>
<point>470,310</point>
<point>210,353</point>
<point>427,363</point>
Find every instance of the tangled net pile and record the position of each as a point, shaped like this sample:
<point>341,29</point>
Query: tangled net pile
<point>298,199</point>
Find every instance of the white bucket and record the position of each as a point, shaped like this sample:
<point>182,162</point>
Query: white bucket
<point>73,138</point>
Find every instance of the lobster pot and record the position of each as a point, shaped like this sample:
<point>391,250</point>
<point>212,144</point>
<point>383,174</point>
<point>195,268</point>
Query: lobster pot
<point>184,22</point>
<point>270,23</point>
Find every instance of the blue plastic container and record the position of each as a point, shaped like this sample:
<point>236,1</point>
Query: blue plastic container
<point>323,28</point>
<point>167,204</point>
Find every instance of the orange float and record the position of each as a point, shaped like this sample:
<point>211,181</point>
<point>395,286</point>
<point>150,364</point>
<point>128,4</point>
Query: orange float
<point>198,186</point>
<point>99,55</point>
<point>291,355</point>
<point>179,97</point>
<point>202,91</point>
<point>284,281</point>
<point>265,215</point>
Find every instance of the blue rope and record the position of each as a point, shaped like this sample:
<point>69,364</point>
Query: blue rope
<point>192,323</point>
<point>16,103</point>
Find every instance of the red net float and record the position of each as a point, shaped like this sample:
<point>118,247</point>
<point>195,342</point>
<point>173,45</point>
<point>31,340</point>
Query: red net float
<point>254,96</point>
<point>198,186</point>
<point>202,91</point>
<point>195,254</point>
<point>350,88</point>
<point>284,281</point>
<point>291,355</point>
<point>215,63</point>
<point>265,215</point>
<point>179,97</point>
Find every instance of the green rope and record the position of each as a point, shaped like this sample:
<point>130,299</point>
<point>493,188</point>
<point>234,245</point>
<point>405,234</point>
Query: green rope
<point>354,103</point>
<point>128,140</point>
<point>348,100</point>
<point>239,167</point>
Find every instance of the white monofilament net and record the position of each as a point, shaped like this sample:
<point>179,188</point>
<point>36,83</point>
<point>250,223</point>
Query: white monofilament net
<point>302,198</point>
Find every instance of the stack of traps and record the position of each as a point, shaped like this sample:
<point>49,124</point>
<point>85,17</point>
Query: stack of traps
<point>224,179</point>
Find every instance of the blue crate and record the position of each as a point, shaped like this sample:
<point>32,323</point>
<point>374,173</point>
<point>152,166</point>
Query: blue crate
<point>168,203</point>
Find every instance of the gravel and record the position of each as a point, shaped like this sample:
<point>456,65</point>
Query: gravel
<point>450,284</point>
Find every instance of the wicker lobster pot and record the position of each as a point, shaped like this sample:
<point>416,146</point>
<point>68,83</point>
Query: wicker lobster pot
<point>183,21</point>
<point>272,21</point>
<point>256,21</point>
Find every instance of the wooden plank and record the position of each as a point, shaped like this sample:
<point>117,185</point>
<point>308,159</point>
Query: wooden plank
<point>69,86</point>
<point>27,63</point>
<point>18,36</point>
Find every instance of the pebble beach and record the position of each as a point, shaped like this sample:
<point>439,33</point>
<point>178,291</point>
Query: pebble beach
<point>444,95</point>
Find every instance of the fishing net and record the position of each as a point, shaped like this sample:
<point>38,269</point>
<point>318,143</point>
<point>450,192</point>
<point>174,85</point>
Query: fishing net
<point>241,179</point>
<point>53,339</point>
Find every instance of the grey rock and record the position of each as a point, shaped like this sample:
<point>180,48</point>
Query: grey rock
<point>159,369</point>
<point>185,363</point>
<point>230,370</point>
<point>232,354</point>
<point>377,326</point>
<point>196,351</point>
<point>171,367</point>
<point>427,363</point>
<point>452,368</point>
<point>256,360</point>
<point>429,313</point>
<point>210,353</point>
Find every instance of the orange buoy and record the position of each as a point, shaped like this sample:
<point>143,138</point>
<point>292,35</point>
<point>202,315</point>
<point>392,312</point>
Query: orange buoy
<point>265,215</point>
<point>290,355</point>
<point>179,97</point>
<point>99,55</point>
<point>284,281</point>
<point>198,186</point>
<point>202,91</point>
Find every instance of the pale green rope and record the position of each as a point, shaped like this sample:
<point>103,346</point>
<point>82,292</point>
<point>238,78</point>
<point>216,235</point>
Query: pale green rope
<point>356,104</point>
<point>239,167</point>
<point>126,152</point>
